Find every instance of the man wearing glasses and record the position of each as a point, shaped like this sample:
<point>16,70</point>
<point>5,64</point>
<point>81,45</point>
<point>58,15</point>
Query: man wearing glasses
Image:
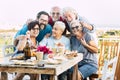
<point>45,28</point>
<point>55,15</point>
<point>71,14</point>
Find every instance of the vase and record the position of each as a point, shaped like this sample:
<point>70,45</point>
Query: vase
<point>45,56</point>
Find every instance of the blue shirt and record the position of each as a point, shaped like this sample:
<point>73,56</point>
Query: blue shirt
<point>50,42</point>
<point>88,56</point>
<point>42,33</point>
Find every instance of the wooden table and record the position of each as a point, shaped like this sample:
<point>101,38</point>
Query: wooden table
<point>52,70</point>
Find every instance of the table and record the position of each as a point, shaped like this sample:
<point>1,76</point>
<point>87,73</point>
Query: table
<point>52,70</point>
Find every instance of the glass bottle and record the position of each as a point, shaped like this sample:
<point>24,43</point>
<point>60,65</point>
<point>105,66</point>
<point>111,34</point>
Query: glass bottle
<point>27,50</point>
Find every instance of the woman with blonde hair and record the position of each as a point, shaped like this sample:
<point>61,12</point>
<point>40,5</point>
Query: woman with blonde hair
<point>84,43</point>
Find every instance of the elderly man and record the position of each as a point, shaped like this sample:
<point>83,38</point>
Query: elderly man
<point>55,15</point>
<point>57,37</point>
<point>70,14</point>
<point>46,29</point>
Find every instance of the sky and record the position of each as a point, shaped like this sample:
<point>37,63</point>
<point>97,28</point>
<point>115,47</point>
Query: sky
<point>96,11</point>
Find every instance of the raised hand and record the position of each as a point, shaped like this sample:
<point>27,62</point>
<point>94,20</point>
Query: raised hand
<point>82,40</point>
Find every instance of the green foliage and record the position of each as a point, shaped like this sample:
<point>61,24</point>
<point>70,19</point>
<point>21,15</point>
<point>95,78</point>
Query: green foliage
<point>110,33</point>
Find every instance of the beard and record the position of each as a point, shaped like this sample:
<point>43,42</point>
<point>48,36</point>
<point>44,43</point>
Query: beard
<point>42,26</point>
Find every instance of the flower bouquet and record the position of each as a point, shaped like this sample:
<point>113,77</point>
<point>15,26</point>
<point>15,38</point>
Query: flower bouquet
<point>45,51</point>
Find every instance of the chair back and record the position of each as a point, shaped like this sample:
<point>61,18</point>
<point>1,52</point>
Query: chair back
<point>109,51</point>
<point>8,50</point>
<point>109,69</point>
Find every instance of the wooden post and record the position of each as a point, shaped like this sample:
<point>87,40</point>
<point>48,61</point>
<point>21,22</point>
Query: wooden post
<point>117,72</point>
<point>4,76</point>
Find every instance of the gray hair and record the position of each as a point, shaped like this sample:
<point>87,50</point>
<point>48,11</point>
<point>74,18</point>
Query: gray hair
<point>56,7</point>
<point>69,9</point>
<point>75,22</point>
<point>61,25</point>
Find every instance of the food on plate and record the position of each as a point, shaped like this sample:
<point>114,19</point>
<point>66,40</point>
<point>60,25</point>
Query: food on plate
<point>71,55</point>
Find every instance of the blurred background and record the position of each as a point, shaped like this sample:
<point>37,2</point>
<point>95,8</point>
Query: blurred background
<point>104,14</point>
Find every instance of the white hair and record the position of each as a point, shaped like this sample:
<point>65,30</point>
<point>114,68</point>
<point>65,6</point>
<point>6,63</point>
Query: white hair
<point>60,24</point>
<point>56,7</point>
<point>75,22</point>
<point>69,9</point>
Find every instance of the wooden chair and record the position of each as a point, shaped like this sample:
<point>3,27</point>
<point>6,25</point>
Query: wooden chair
<point>117,72</point>
<point>108,50</point>
<point>7,50</point>
<point>109,69</point>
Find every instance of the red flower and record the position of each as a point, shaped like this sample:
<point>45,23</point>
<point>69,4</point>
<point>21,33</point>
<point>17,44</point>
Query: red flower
<point>44,49</point>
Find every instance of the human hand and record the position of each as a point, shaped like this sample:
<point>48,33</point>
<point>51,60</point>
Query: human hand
<point>28,34</point>
<point>86,25</point>
<point>28,21</point>
<point>33,46</point>
<point>82,40</point>
<point>47,35</point>
<point>21,37</point>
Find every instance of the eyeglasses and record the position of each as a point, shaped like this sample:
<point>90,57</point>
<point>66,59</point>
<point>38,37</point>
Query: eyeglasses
<point>76,27</point>
<point>35,29</point>
<point>56,13</point>
<point>42,20</point>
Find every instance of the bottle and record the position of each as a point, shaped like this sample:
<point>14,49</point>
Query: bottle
<point>27,50</point>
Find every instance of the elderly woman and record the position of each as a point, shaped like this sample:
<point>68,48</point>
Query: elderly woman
<point>84,44</point>
<point>71,14</point>
<point>57,38</point>
<point>33,31</point>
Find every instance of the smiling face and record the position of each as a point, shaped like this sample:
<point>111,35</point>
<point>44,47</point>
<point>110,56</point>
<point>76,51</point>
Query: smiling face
<point>76,28</point>
<point>58,29</point>
<point>43,20</point>
<point>55,13</point>
<point>69,16</point>
<point>34,31</point>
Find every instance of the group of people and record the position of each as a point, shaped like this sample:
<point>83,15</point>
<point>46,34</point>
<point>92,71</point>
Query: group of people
<point>50,29</point>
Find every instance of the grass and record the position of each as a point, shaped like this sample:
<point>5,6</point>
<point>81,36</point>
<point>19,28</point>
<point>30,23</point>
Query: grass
<point>6,38</point>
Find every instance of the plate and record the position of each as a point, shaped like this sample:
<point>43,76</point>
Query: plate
<point>71,55</point>
<point>53,61</point>
<point>60,58</point>
<point>23,62</point>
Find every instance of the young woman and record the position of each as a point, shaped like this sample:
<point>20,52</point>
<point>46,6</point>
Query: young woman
<point>32,33</point>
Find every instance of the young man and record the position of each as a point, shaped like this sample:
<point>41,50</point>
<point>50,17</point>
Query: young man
<point>46,29</point>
